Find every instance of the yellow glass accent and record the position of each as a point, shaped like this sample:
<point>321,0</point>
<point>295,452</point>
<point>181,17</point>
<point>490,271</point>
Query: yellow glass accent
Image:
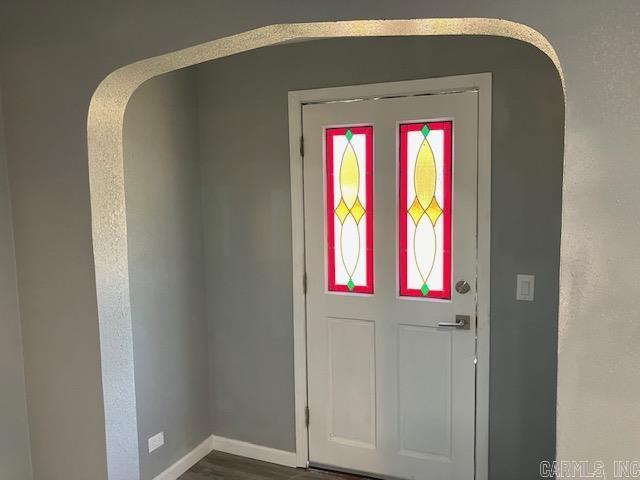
<point>434,211</point>
<point>349,176</point>
<point>425,174</point>
<point>416,211</point>
<point>342,211</point>
<point>357,211</point>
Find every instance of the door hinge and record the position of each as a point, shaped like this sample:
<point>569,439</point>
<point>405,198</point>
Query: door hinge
<point>304,283</point>
<point>306,416</point>
<point>301,146</point>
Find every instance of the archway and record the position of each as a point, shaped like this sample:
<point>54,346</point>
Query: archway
<point>105,121</point>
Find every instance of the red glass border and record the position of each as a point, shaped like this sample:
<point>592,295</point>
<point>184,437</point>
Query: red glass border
<point>447,127</point>
<point>329,134</point>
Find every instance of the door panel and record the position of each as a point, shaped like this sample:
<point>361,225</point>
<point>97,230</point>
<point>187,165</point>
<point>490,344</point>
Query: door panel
<point>352,382</point>
<point>391,392</point>
<point>424,391</point>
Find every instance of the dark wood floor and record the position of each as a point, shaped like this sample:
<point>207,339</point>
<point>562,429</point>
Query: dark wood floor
<point>222,466</point>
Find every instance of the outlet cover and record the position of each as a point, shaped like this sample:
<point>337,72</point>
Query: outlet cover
<point>156,441</point>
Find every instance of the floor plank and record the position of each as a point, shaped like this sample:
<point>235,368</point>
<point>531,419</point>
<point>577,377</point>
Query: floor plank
<point>223,466</point>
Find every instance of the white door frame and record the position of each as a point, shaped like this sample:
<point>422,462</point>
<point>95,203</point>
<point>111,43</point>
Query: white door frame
<point>481,83</point>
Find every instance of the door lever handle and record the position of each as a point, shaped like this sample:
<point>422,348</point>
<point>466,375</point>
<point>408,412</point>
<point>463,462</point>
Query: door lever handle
<point>463,322</point>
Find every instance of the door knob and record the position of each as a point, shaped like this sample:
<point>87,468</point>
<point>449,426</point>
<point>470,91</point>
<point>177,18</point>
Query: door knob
<point>463,322</point>
<point>463,287</point>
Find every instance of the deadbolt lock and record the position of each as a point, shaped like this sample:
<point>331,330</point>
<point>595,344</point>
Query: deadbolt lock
<point>463,287</point>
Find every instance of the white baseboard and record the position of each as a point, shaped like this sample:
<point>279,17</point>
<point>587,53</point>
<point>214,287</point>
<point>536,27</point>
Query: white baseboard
<point>227,445</point>
<point>186,462</point>
<point>251,450</point>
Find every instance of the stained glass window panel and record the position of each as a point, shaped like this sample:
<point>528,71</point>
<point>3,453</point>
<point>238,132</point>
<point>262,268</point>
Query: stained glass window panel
<point>349,193</point>
<point>425,209</point>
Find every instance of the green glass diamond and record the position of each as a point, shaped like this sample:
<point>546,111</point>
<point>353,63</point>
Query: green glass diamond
<point>349,135</point>
<point>351,285</point>
<point>425,130</point>
<point>424,290</point>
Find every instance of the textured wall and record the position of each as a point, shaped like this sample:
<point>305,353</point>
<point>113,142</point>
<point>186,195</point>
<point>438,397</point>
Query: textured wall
<point>245,155</point>
<point>53,56</point>
<point>166,275</point>
<point>15,456</point>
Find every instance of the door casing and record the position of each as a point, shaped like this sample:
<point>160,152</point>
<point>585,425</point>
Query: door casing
<point>480,82</point>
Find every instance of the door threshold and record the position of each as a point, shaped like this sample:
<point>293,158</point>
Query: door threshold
<point>347,474</point>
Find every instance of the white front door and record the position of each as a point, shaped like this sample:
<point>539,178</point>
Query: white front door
<point>390,205</point>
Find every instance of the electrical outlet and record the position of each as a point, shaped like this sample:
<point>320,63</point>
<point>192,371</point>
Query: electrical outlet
<point>156,441</point>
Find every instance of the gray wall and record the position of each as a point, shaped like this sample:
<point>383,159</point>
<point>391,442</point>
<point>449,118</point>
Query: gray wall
<point>244,138</point>
<point>166,273</point>
<point>15,455</point>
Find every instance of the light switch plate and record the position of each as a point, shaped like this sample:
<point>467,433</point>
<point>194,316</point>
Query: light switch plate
<point>156,441</point>
<point>525,287</point>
